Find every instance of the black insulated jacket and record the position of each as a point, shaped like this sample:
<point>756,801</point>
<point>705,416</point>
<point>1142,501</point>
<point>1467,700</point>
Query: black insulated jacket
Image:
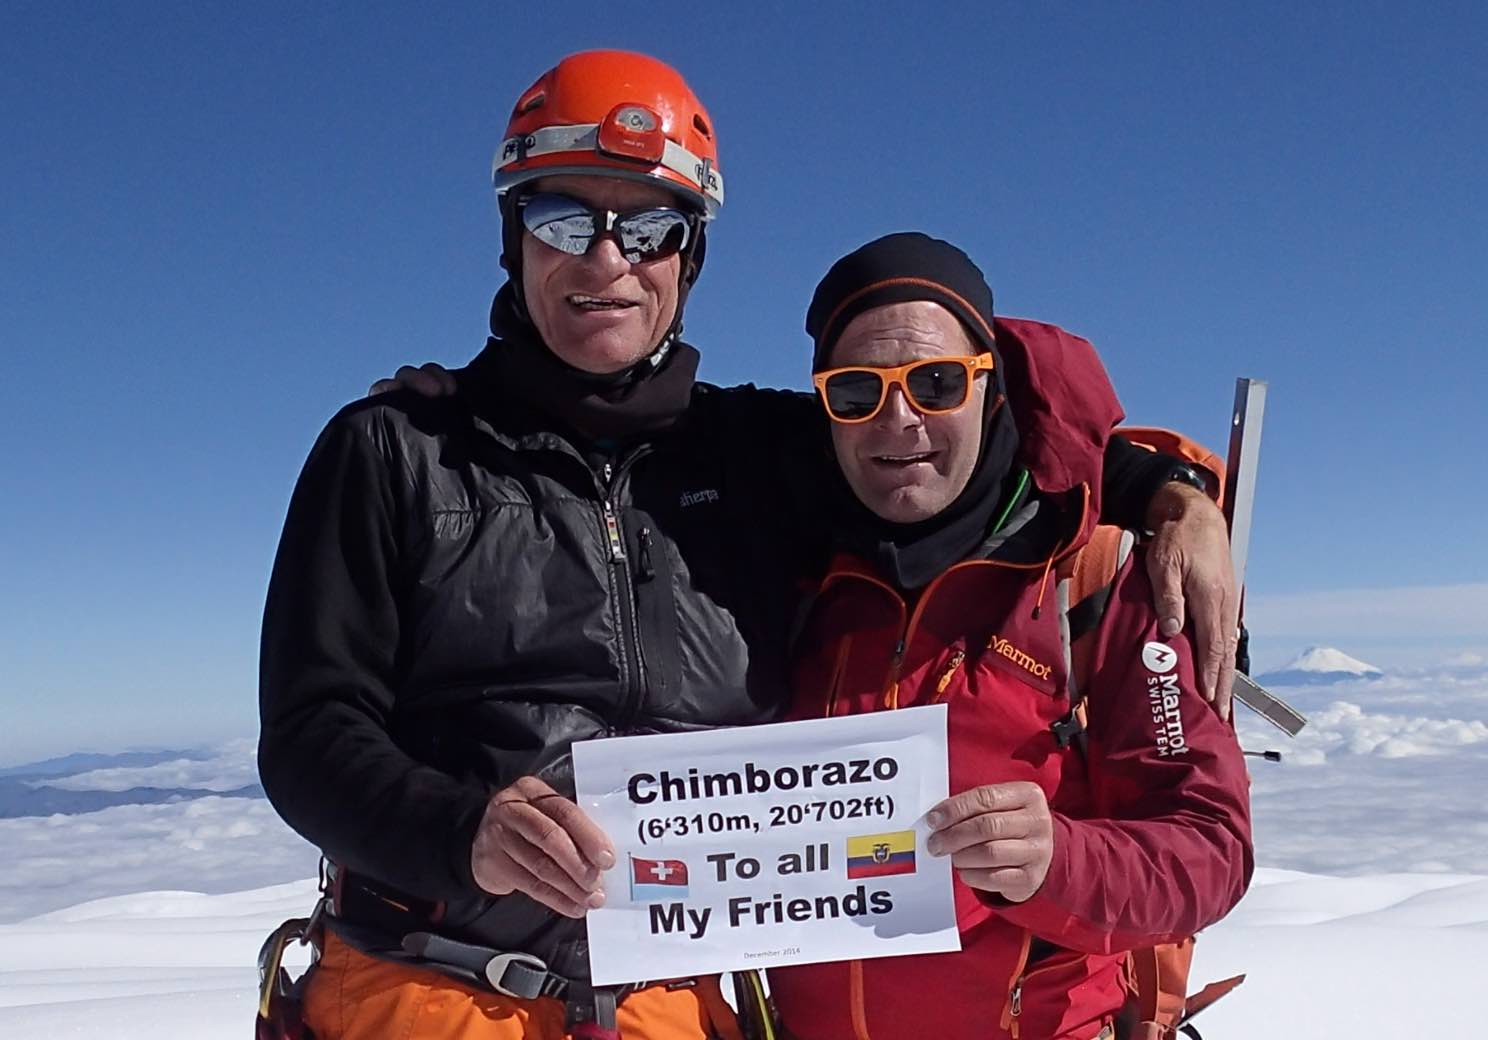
<point>460,593</point>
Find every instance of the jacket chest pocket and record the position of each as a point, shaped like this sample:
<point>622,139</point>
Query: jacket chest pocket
<point>1029,658</point>
<point>1001,728</point>
<point>490,584</point>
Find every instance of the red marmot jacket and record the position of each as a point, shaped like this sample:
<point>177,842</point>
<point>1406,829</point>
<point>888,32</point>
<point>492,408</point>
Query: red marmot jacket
<point>1151,823</point>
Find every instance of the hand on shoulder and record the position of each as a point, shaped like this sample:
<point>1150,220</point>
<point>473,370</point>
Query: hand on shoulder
<point>431,379</point>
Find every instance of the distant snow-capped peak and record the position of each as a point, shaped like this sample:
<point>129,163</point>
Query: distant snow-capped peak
<point>1326,659</point>
<point>1320,666</point>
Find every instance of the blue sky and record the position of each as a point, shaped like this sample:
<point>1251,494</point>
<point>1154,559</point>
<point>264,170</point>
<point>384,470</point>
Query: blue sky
<point>222,221</point>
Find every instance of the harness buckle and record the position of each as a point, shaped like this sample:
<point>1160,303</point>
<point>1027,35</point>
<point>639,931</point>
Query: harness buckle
<point>1065,730</point>
<point>516,975</point>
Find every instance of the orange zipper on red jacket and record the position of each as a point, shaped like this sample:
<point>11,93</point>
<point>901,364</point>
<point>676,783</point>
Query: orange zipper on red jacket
<point>1020,977</point>
<point>1014,1006</point>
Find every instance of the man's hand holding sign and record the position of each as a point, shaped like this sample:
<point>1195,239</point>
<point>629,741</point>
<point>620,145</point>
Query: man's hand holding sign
<point>760,847</point>
<point>1000,837</point>
<point>534,841</point>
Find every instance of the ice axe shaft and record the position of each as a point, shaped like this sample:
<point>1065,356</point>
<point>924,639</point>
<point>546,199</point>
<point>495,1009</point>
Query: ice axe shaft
<point>1241,467</point>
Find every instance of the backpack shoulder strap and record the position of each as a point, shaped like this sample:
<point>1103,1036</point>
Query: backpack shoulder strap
<point>1084,590</point>
<point>1160,977</point>
<point>1085,583</point>
<point>1087,577</point>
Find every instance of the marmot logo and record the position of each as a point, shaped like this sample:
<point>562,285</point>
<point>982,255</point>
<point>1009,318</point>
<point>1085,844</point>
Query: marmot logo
<point>1167,718</point>
<point>1159,658</point>
<point>999,645</point>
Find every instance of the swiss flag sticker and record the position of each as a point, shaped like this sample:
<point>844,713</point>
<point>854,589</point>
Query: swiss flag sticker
<point>658,871</point>
<point>657,879</point>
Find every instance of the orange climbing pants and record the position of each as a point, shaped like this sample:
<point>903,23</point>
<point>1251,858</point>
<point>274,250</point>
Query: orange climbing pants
<point>351,996</point>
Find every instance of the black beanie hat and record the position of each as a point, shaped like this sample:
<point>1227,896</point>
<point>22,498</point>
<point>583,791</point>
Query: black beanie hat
<point>902,268</point>
<point>899,268</point>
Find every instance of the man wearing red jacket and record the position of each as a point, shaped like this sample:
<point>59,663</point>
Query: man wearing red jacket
<point>946,590</point>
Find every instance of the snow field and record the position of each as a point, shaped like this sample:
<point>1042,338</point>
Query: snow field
<point>1326,957</point>
<point>1368,916</point>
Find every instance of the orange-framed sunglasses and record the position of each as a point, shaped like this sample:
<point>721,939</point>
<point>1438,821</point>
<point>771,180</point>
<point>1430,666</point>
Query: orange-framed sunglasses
<point>932,386</point>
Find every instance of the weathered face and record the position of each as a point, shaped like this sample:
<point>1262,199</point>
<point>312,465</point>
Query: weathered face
<point>902,464</point>
<point>599,312</point>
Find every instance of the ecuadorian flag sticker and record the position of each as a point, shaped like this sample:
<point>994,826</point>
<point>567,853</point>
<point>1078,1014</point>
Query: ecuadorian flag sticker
<point>881,855</point>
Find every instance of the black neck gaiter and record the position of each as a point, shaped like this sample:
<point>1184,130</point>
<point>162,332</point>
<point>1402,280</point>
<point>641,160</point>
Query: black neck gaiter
<point>646,398</point>
<point>902,268</point>
<point>911,555</point>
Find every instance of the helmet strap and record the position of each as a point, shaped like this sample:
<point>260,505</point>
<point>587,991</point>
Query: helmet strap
<point>692,264</point>
<point>511,252</point>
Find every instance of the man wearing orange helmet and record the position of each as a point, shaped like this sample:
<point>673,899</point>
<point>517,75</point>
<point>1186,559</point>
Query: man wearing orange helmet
<point>582,541</point>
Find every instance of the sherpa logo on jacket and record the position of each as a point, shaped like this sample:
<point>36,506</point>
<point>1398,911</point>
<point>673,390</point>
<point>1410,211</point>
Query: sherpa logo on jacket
<point>692,498</point>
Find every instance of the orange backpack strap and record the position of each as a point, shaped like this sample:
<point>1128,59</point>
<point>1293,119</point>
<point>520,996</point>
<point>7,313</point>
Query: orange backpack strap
<point>1159,975</point>
<point>1087,577</point>
<point>1084,588</point>
<point>1086,580</point>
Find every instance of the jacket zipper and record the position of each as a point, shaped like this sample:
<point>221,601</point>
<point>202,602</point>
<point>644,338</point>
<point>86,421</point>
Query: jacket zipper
<point>1015,991</point>
<point>947,675</point>
<point>844,647</point>
<point>891,691</point>
<point>1015,998</point>
<point>857,1003</point>
<point>644,570</point>
<point>632,660</point>
<point>1014,1006</point>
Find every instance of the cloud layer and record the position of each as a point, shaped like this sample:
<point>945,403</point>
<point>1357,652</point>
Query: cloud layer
<point>207,845</point>
<point>1387,777</point>
<point>231,768</point>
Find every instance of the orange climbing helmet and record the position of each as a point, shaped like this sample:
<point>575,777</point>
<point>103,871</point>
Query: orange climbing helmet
<point>613,114</point>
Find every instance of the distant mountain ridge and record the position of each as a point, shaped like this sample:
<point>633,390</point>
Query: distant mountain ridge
<point>18,798</point>
<point>83,761</point>
<point>26,790</point>
<point>1317,666</point>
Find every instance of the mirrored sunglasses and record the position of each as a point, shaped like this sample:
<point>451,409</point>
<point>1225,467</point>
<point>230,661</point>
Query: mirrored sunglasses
<point>933,386</point>
<point>572,226</point>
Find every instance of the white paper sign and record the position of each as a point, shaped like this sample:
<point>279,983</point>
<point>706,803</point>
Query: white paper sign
<point>768,845</point>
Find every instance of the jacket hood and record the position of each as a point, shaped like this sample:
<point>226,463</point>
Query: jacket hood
<point>1064,406</point>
